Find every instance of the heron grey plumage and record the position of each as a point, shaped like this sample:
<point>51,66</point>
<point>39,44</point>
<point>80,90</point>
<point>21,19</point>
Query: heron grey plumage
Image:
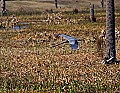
<point>72,41</point>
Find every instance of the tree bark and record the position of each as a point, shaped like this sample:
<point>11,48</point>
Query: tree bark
<point>3,10</point>
<point>110,32</point>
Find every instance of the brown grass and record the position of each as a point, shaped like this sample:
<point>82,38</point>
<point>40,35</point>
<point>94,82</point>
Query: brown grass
<point>28,63</point>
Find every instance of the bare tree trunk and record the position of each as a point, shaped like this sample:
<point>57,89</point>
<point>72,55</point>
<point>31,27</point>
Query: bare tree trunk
<point>102,3</point>
<point>92,17</point>
<point>110,33</point>
<point>3,10</point>
<point>56,4</point>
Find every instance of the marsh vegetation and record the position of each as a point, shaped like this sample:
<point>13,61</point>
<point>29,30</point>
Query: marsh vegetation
<point>29,64</point>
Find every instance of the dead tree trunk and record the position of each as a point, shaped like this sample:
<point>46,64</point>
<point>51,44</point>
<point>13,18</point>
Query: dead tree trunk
<point>102,3</point>
<point>110,33</point>
<point>56,4</point>
<point>92,17</point>
<point>3,10</point>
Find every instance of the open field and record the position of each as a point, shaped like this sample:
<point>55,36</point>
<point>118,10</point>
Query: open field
<point>42,5</point>
<point>29,64</point>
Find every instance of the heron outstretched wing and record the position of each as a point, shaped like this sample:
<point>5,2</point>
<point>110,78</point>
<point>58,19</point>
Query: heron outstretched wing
<point>72,41</point>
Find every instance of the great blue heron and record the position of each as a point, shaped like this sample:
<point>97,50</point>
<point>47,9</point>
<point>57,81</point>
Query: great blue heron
<point>72,41</point>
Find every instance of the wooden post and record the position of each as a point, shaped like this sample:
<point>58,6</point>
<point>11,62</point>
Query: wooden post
<point>102,3</point>
<point>56,4</point>
<point>92,17</point>
<point>3,10</point>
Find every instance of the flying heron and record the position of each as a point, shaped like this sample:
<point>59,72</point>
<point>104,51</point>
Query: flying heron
<point>72,41</point>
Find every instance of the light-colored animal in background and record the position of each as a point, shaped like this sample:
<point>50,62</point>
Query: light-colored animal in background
<point>101,40</point>
<point>13,21</point>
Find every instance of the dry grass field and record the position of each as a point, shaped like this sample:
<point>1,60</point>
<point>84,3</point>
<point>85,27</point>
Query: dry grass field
<point>41,5</point>
<point>29,64</point>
